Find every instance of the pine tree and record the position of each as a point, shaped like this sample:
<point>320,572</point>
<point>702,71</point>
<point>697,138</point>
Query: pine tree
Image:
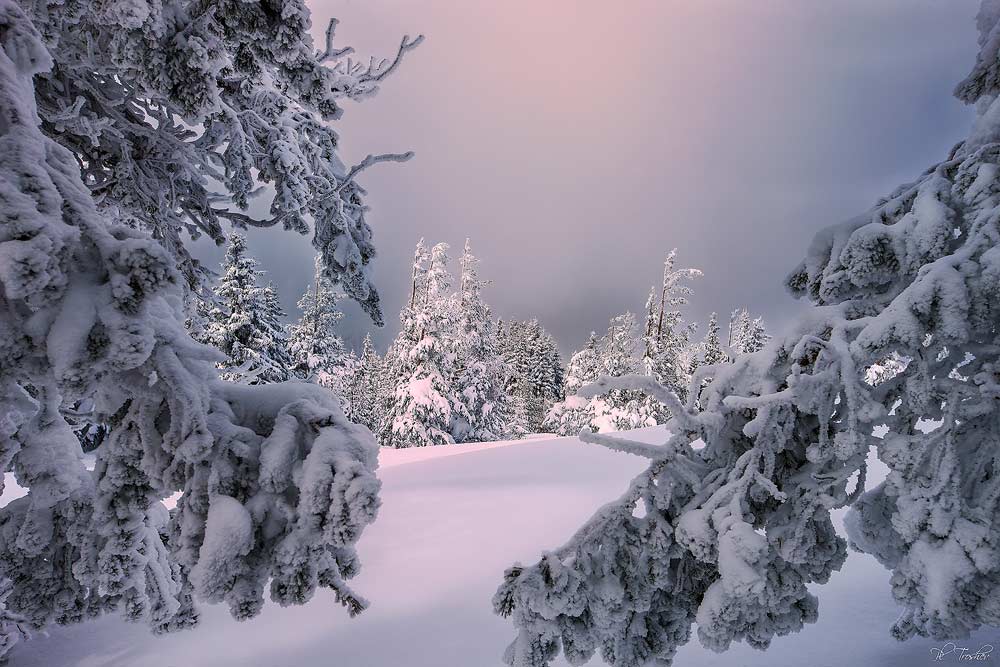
<point>395,362</point>
<point>730,525</point>
<point>245,325</point>
<point>316,347</point>
<point>480,371</point>
<point>739,321</point>
<point>618,349</point>
<point>667,350</point>
<point>423,405</point>
<point>711,347</point>
<point>535,372</point>
<point>573,414</point>
<point>615,355</point>
<point>622,410</point>
<point>758,337</point>
<point>363,399</point>
<point>418,286</point>
<point>584,365</point>
<point>129,127</point>
<point>272,322</point>
<point>746,334</point>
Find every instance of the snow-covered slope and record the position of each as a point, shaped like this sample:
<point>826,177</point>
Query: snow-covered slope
<point>453,518</point>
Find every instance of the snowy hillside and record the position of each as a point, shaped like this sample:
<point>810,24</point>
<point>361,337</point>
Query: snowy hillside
<point>453,518</point>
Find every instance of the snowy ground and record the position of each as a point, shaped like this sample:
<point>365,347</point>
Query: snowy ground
<point>453,518</point>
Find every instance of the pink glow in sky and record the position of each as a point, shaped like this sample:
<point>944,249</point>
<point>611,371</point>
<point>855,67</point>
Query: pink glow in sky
<point>576,142</point>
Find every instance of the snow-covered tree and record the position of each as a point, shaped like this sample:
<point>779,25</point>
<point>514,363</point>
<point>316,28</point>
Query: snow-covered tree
<point>614,355</point>
<point>735,521</point>
<point>573,414</point>
<point>418,284</point>
<point>423,403</point>
<point>667,349</point>
<point>362,396</point>
<point>711,346</point>
<point>746,333</point>
<point>621,410</point>
<point>314,342</point>
<point>618,349</point>
<point>13,627</point>
<point>168,114</point>
<point>584,366</point>
<point>395,363</point>
<point>480,371</point>
<point>535,372</point>
<point>273,316</point>
<point>245,325</point>
<point>178,110</point>
<point>666,354</point>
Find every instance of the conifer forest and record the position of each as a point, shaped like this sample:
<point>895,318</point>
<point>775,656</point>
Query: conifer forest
<point>438,334</point>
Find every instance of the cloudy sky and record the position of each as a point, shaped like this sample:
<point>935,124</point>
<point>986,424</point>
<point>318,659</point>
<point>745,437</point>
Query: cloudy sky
<point>575,142</point>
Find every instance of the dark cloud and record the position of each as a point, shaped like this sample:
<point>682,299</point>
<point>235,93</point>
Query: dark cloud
<point>576,142</point>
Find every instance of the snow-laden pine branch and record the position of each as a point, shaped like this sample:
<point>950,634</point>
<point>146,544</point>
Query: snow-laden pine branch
<point>125,127</point>
<point>730,524</point>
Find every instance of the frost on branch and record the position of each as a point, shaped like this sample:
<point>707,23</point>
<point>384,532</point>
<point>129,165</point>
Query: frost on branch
<point>731,521</point>
<point>178,111</point>
<point>276,485</point>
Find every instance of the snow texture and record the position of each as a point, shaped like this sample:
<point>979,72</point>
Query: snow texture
<point>274,486</point>
<point>453,516</point>
<point>731,522</point>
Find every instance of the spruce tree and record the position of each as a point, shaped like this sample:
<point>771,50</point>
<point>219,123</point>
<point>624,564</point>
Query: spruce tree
<point>423,405</point>
<point>395,361</point>
<point>621,410</point>
<point>711,347</point>
<point>272,322</point>
<point>746,333</point>
<point>535,372</point>
<point>667,339</point>
<point>615,355</point>
<point>584,366</point>
<point>362,395</point>
<point>316,347</point>
<point>245,323</point>
<point>573,413</point>
<point>480,372</point>
<point>758,336</point>
<point>618,351</point>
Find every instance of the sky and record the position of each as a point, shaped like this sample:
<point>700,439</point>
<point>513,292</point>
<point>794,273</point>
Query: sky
<point>576,142</point>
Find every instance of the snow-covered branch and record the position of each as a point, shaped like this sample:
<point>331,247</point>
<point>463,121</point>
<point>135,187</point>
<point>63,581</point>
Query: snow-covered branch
<point>734,532</point>
<point>384,68</point>
<point>370,161</point>
<point>125,130</point>
<point>331,53</point>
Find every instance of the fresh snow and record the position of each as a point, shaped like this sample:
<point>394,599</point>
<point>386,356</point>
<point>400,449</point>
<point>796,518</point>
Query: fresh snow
<point>453,518</point>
